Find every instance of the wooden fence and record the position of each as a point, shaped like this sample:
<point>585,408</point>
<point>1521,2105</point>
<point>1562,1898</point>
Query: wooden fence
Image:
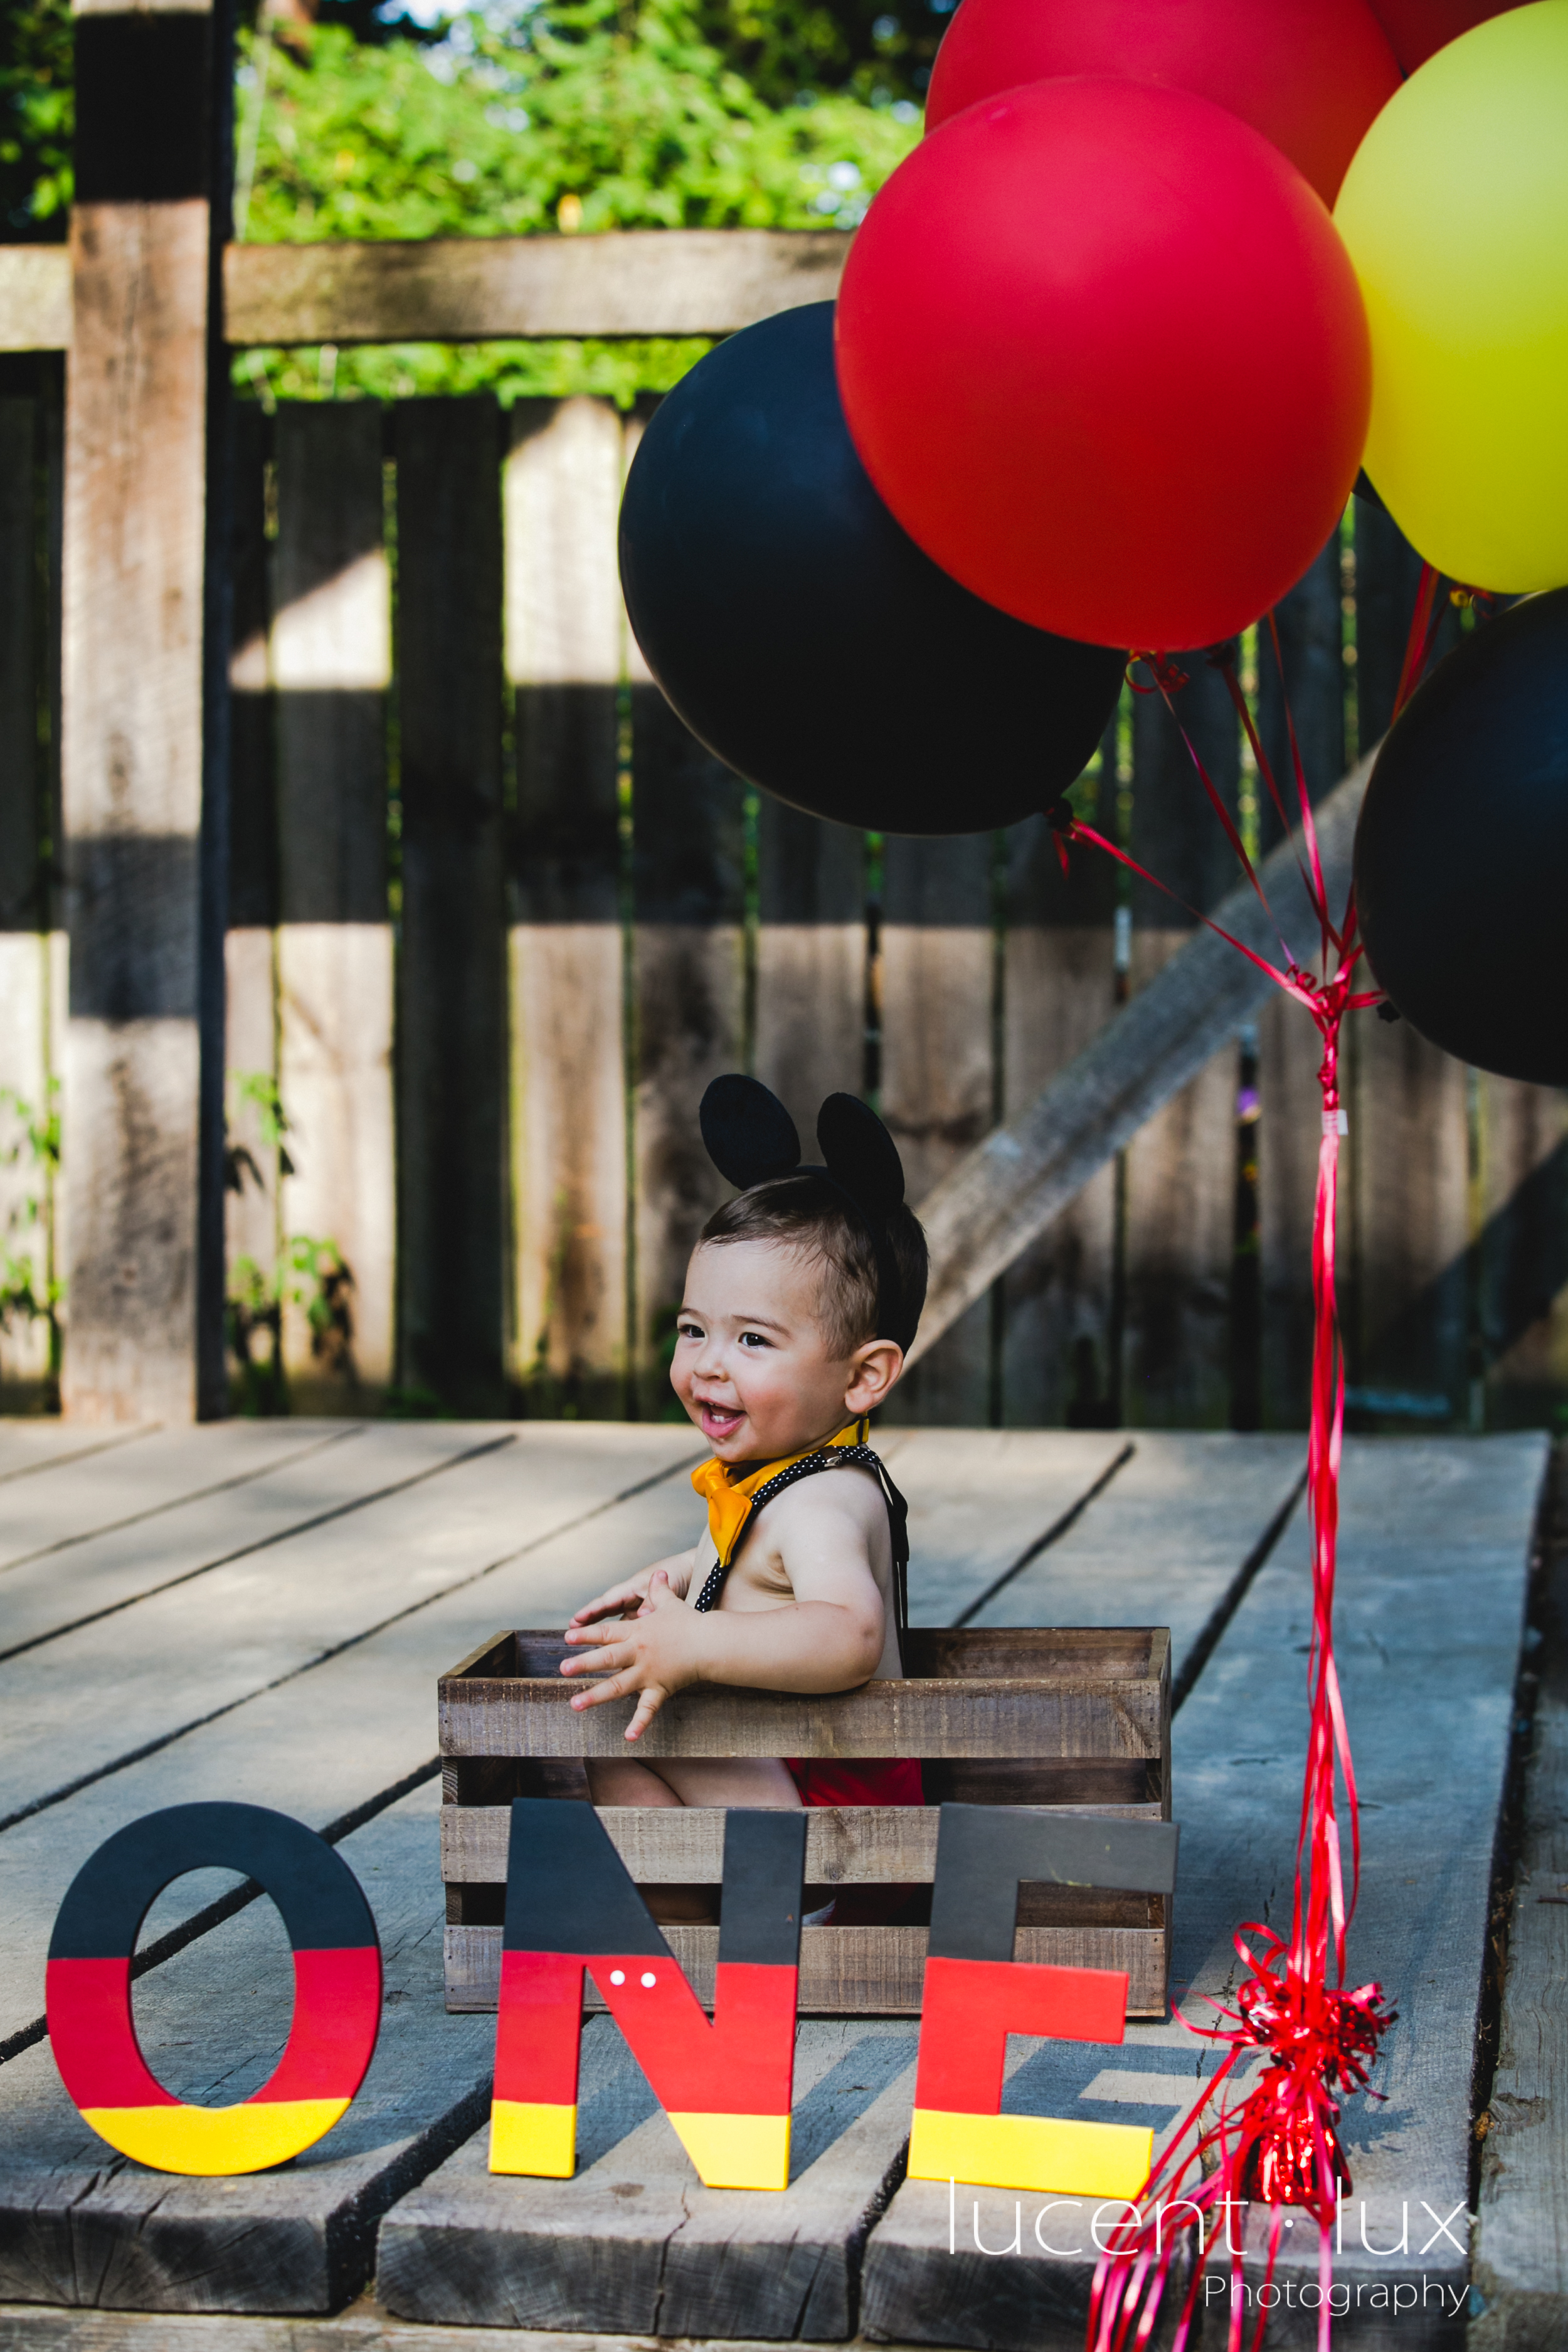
<point>495,919</point>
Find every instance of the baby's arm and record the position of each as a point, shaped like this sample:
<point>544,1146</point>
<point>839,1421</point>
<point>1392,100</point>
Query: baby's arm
<point>828,1638</point>
<point>630,1600</point>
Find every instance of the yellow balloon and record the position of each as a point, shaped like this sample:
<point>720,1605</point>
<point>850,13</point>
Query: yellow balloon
<point>1456,213</point>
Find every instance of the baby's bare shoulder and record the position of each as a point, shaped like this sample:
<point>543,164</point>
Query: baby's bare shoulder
<point>834,1497</point>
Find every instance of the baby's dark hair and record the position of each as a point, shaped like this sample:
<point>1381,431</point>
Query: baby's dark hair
<point>813,1216</point>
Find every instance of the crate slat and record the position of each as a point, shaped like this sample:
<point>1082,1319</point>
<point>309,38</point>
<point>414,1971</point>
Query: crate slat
<point>889,1718</point>
<point>848,1970</point>
<point>845,1844</point>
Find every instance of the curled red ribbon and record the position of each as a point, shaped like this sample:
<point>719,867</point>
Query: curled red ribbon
<point>1278,2147</point>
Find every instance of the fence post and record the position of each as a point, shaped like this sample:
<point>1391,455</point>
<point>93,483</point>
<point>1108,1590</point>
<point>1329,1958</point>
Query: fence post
<point>145,690</point>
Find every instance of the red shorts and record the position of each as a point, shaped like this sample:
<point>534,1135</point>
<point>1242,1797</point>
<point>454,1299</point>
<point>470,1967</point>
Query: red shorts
<point>824,1780</point>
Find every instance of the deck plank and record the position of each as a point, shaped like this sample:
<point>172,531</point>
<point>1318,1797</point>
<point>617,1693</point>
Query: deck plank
<point>1433,1565</point>
<point>1164,1542</point>
<point>341,1470</point>
<point>979,1498</point>
<point>1521,2237</point>
<point>116,1486</point>
<point>28,1444</point>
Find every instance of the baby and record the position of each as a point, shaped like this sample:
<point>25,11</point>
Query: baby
<point>801,1298</point>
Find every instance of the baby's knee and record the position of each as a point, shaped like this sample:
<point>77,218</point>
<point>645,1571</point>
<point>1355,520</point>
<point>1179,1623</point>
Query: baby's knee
<point>612,1782</point>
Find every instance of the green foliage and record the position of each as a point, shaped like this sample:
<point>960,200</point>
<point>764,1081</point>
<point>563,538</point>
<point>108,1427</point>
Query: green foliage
<point>29,1290</point>
<point>36,118</point>
<point>585,115</point>
<point>639,128</point>
<point>309,1274</point>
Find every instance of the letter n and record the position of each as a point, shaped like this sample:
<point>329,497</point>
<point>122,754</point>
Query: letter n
<point>977,1994</point>
<point>725,2083</point>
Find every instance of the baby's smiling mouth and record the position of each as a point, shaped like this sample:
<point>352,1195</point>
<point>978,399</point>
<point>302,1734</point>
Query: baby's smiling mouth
<point>719,1420</point>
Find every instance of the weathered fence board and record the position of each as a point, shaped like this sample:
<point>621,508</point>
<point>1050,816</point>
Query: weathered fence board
<point>1061,1335</point>
<point>642,282</point>
<point>1519,1236</point>
<point>565,978</point>
<point>1405,1308</point>
<point>689,1012</point>
<point>810,979</point>
<point>1180,1167</point>
<point>29,1014</point>
<point>451,1021</point>
<point>1289,1126</point>
<point>250,1001</point>
<point>938,988</point>
<point>331,667</point>
<point>34,298</point>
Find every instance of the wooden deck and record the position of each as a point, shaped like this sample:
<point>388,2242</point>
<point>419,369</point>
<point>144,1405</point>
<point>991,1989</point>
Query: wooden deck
<point>260,1611</point>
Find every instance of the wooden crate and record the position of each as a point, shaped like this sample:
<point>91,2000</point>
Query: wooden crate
<point>1075,1719</point>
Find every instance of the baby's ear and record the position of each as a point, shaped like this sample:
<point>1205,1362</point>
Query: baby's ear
<point>749,1134</point>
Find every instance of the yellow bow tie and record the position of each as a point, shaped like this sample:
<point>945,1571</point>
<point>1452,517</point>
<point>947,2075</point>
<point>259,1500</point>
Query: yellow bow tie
<point>730,1502</point>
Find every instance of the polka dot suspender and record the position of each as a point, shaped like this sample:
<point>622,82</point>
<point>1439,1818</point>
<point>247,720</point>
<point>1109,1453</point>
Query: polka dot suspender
<point>830,1457</point>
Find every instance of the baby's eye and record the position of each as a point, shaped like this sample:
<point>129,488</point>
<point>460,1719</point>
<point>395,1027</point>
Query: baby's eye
<point>689,1330</point>
<point>755,1339</point>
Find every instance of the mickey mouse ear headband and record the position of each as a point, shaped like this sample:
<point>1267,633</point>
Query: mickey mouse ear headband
<point>752,1138</point>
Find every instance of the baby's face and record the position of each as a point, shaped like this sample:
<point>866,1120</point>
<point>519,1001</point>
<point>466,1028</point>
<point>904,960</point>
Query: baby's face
<point>751,1366</point>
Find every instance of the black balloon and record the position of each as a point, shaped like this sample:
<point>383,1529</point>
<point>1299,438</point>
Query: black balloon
<point>1461,858</point>
<point>802,635</point>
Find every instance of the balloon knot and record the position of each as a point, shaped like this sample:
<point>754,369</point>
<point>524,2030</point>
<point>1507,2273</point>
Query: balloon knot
<point>1165,675</point>
<point>1063,823</point>
<point>1224,655</point>
<point>1389,1011</point>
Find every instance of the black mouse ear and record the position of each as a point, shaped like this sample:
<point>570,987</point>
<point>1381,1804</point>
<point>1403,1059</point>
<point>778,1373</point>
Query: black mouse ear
<point>859,1152</point>
<point>749,1134</point>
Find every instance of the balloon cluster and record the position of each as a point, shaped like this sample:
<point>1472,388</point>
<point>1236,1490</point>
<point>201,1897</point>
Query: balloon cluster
<point>1112,346</point>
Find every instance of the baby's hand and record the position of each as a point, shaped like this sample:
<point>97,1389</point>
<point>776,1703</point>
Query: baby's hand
<point>653,1654</point>
<point>627,1600</point>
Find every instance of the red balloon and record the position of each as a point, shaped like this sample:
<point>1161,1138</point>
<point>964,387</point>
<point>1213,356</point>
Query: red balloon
<point>1418,28</point>
<point>1103,354</point>
<point>1310,74</point>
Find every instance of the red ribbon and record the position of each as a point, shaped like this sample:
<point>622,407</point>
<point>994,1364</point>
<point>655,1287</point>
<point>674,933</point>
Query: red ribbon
<point>1279,2145</point>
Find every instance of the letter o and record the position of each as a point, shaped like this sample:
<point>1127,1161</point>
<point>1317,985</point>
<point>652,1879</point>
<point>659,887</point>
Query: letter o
<point>1267,2296</point>
<point>337,1989</point>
